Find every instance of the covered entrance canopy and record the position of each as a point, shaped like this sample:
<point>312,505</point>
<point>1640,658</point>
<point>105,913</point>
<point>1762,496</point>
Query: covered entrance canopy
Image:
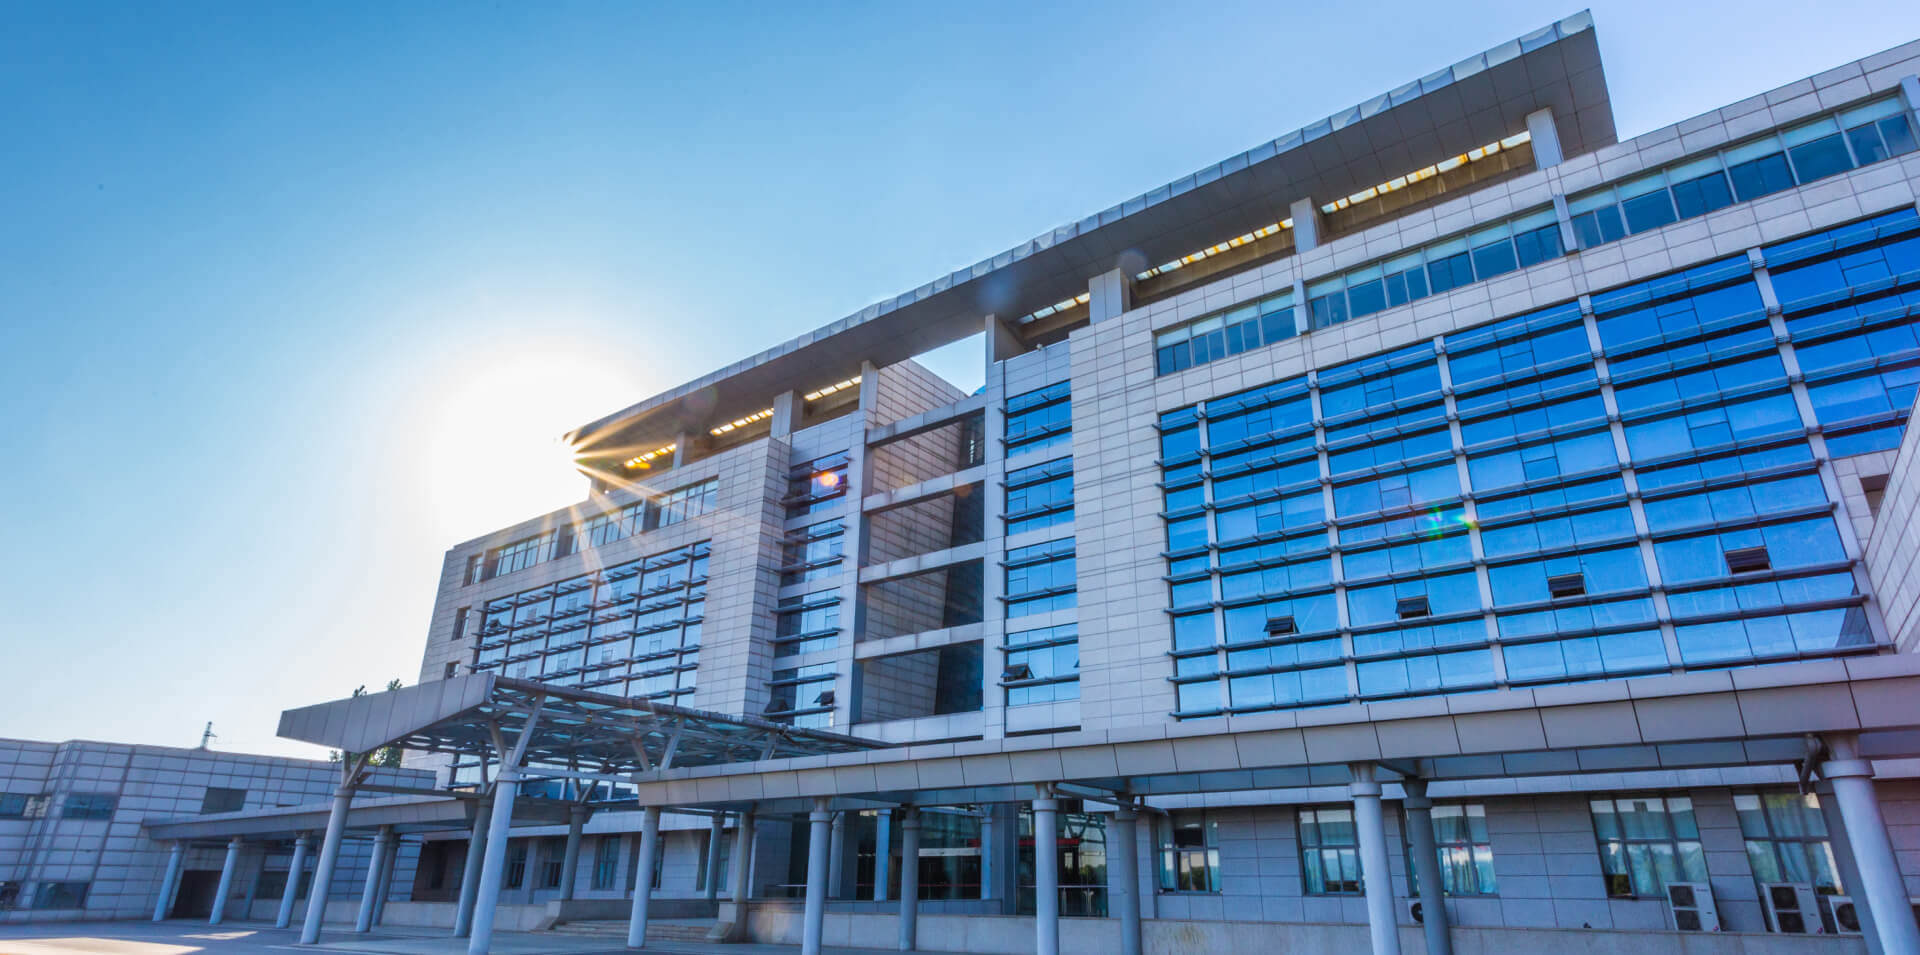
<point>554,730</point>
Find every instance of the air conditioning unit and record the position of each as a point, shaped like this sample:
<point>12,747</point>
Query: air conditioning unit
<point>1690,904</point>
<point>1416,912</point>
<point>1843,915</point>
<point>1792,908</point>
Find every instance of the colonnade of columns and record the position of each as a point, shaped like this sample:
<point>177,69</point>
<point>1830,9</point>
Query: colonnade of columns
<point>1859,832</point>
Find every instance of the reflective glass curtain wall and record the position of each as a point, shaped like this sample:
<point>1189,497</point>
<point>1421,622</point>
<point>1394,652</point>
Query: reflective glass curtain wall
<point>1626,485</point>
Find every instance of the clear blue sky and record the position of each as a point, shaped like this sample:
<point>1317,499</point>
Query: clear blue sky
<point>291,301</point>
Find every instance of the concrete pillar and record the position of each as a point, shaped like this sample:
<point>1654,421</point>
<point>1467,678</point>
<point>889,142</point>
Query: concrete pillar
<point>643,880</point>
<point>227,870</point>
<point>382,844</point>
<point>299,864</point>
<point>323,869</point>
<point>1003,342</point>
<point>789,407</point>
<point>1881,886</point>
<point>1546,138</point>
<point>1123,860</point>
<point>987,854</point>
<point>1376,878</point>
<point>836,858</point>
<point>570,861</point>
<point>1309,232</point>
<point>909,879</point>
<point>1046,874</point>
<point>717,832</point>
<point>740,872</point>
<point>1426,867</point>
<point>385,891</point>
<point>1843,858</point>
<point>1109,294</point>
<point>494,867</point>
<point>882,853</point>
<point>470,869</point>
<point>685,447</point>
<point>819,844</point>
<point>170,881</point>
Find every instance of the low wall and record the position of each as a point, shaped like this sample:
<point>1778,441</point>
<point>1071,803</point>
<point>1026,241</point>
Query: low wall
<point>506,918</point>
<point>1008,935</point>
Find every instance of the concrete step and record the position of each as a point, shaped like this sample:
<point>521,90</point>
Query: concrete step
<point>677,930</point>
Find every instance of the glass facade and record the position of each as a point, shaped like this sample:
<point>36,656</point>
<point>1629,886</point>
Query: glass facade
<point>1041,418</point>
<point>1777,161</point>
<point>1628,487</point>
<point>632,629</point>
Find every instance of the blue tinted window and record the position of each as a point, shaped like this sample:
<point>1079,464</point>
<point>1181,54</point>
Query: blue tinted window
<point>1450,272</point>
<point>1700,196</point>
<point>1367,297</point>
<point>1650,211</point>
<point>1538,245</point>
<point>1494,258</point>
<point>1598,227</point>
<point>1821,158</point>
<point>1761,177</point>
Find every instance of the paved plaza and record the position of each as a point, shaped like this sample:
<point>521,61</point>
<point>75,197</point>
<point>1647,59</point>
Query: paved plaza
<point>183,938</point>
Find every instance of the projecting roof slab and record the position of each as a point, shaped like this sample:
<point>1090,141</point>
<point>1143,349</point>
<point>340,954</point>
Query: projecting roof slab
<point>1481,99</point>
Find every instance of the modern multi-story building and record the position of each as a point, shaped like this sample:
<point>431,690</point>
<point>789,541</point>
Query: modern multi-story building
<point>1443,524</point>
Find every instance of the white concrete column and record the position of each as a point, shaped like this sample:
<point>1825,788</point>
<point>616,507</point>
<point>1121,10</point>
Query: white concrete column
<point>323,869</point>
<point>1910,91</point>
<point>1109,294</point>
<point>819,844</point>
<point>382,844</point>
<point>1843,858</point>
<point>1376,878</point>
<point>299,864</point>
<point>570,861</point>
<point>909,879</point>
<point>717,832</point>
<point>494,866</point>
<point>882,853</point>
<point>684,448</point>
<point>385,891</point>
<point>987,847</point>
<point>1046,874</point>
<point>1546,139</point>
<point>789,407</point>
<point>1002,342</point>
<point>836,858</point>
<point>1426,867</point>
<point>1123,884</point>
<point>740,876</point>
<point>1881,886</point>
<point>1308,232</point>
<point>470,869</point>
<point>227,870</point>
<point>170,881</point>
<point>643,880</point>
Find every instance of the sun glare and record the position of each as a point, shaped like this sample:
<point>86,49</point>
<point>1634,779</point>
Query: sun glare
<point>492,442</point>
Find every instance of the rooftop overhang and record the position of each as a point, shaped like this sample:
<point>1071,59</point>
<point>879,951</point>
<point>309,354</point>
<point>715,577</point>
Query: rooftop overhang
<point>403,813</point>
<point>554,730</point>
<point>1763,716</point>
<point>1482,99</point>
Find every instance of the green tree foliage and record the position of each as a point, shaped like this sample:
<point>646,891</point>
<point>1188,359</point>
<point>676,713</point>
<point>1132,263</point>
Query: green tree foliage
<point>385,755</point>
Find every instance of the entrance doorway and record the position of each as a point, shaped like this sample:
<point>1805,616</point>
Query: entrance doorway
<point>195,898</point>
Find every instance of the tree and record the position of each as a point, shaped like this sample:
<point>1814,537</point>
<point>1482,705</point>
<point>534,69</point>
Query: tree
<point>385,756</point>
